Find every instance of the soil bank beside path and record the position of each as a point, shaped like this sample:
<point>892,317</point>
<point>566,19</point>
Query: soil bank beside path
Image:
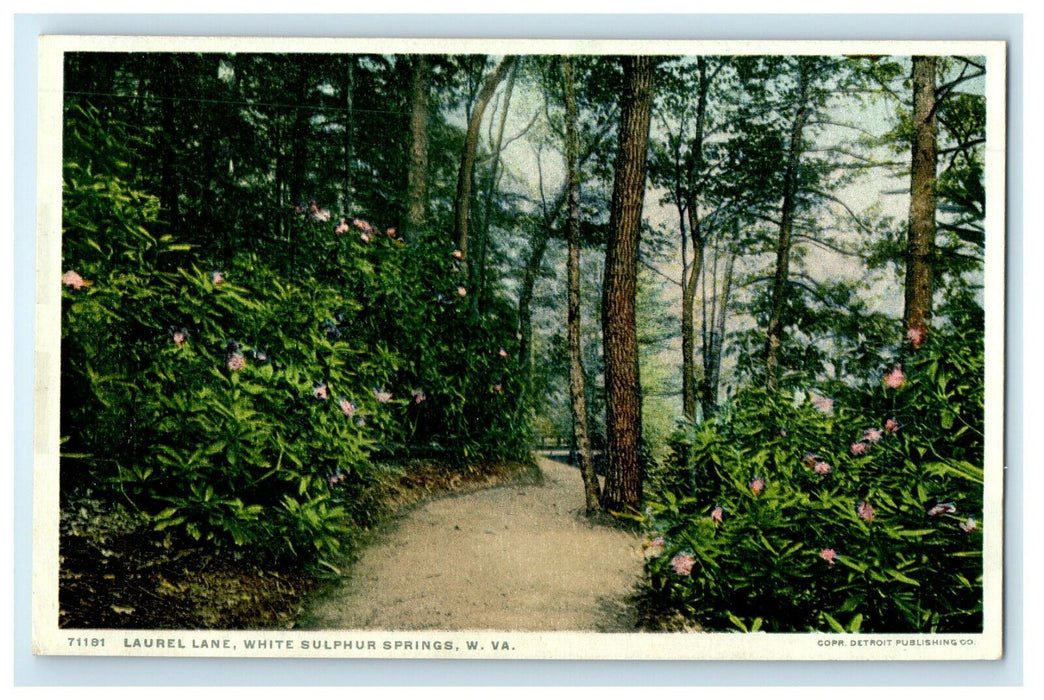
<point>519,557</point>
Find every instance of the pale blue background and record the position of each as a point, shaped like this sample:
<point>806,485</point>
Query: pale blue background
<point>31,670</point>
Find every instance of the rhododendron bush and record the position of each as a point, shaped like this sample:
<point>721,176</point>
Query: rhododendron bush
<point>844,508</point>
<point>255,401</point>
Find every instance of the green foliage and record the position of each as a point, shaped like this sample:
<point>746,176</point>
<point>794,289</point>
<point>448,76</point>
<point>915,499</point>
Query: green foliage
<point>885,538</point>
<point>250,406</point>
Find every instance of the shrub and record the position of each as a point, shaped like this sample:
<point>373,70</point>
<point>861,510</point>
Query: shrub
<point>857,513</point>
<point>248,401</point>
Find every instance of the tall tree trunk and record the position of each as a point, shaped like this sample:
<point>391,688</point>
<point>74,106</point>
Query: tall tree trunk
<point>714,340</point>
<point>624,468</point>
<point>786,229</point>
<point>577,399</point>
<point>347,193</point>
<point>490,192</point>
<point>466,174</point>
<point>525,300</point>
<point>417,178</point>
<point>921,236</point>
<point>692,204</point>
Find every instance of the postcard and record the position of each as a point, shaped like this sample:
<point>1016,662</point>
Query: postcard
<point>475,349</point>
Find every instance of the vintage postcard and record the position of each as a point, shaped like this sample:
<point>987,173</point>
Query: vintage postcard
<point>512,349</point>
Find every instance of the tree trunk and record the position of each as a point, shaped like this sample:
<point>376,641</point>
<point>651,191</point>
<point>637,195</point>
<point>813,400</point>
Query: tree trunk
<point>714,340</point>
<point>490,192</point>
<point>417,178</point>
<point>466,174</point>
<point>692,203</point>
<point>525,300</point>
<point>347,195</point>
<point>786,228</point>
<point>577,399</point>
<point>921,235</point>
<point>624,468</point>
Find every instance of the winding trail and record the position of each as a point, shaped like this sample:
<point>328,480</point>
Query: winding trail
<point>518,557</point>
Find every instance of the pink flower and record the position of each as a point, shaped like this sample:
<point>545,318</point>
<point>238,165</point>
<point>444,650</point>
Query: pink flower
<point>362,225</point>
<point>757,485</point>
<point>858,448</point>
<point>916,335</point>
<point>458,254</point>
<point>822,404</point>
<point>418,396</point>
<point>682,564</point>
<point>828,555</point>
<point>865,511</point>
<point>891,426</point>
<point>390,233</point>
<point>872,435</point>
<point>347,407</point>
<point>179,335</point>
<point>72,279</point>
<point>718,514</point>
<point>342,227</point>
<point>462,291</point>
<point>217,277</point>
<point>320,392</point>
<point>895,378</point>
<point>654,546</point>
<point>236,361</point>
<point>968,525</point>
<point>821,468</point>
<point>365,237</point>
<point>502,352</point>
<point>381,396</point>
<point>941,509</point>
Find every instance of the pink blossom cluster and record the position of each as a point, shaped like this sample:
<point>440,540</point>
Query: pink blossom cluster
<point>822,404</point>
<point>347,407</point>
<point>917,335</point>
<point>828,555</point>
<point>895,377</point>
<point>235,361</point>
<point>179,336</point>
<point>321,392</point>
<point>757,485</point>
<point>941,509</point>
<point>72,278</point>
<point>865,511</point>
<point>381,396</point>
<point>682,564</point>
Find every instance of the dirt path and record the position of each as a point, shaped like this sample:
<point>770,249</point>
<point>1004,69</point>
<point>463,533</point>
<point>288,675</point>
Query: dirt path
<point>507,558</point>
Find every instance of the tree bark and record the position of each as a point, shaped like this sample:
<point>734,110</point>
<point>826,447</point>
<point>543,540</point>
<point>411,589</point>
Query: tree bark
<point>490,192</point>
<point>624,468</point>
<point>525,300</point>
<point>786,228</point>
<point>577,399</point>
<point>713,341</point>
<point>923,160</point>
<point>347,193</point>
<point>466,174</point>
<point>692,196</point>
<point>417,177</point>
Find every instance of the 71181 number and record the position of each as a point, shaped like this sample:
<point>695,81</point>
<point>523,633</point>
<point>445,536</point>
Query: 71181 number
<point>86,641</point>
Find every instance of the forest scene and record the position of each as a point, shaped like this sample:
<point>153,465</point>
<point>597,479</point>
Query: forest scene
<point>722,314</point>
